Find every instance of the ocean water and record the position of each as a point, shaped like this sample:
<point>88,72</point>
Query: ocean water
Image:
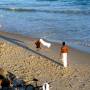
<point>54,20</point>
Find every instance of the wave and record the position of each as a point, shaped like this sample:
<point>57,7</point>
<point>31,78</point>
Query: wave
<point>65,11</point>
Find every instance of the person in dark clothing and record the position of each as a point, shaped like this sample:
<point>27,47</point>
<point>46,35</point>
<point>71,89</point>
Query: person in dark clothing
<point>38,44</point>
<point>1,78</point>
<point>5,84</point>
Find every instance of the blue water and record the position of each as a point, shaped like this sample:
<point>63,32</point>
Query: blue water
<point>54,20</point>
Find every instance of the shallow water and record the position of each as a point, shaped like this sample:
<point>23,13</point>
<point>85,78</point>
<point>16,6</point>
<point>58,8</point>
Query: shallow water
<point>54,20</point>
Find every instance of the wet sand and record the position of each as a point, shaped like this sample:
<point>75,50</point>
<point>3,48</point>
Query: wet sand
<point>19,56</point>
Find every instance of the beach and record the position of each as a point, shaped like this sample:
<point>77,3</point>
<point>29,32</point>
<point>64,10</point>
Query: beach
<point>18,55</point>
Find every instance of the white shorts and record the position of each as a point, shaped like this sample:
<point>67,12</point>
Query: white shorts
<point>64,59</point>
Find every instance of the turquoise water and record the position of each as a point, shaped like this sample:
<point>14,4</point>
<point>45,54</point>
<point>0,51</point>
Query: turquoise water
<point>54,20</point>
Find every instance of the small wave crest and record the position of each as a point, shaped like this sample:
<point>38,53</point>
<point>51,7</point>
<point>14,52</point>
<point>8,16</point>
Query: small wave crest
<point>64,11</point>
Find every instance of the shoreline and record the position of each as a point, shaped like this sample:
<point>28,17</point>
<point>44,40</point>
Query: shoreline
<point>52,53</point>
<point>73,46</point>
<point>19,56</point>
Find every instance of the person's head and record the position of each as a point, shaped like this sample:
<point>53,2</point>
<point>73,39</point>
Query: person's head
<point>63,43</point>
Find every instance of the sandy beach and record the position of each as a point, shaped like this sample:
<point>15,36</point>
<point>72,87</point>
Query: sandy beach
<point>18,55</point>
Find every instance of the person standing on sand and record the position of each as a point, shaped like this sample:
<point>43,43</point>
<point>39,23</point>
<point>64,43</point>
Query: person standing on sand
<point>63,53</point>
<point>38,44</point>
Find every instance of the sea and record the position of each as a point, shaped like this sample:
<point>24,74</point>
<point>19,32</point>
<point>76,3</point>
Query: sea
<point>52,20</point>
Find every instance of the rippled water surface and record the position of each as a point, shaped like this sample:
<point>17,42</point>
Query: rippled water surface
<point>54,20</point>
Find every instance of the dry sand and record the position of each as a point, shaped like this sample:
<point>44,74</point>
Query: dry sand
<point>19,56</point>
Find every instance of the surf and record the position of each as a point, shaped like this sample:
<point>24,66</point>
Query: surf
<point>64,11</point>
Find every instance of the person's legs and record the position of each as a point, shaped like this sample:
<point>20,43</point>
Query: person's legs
<point>64,59</point>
